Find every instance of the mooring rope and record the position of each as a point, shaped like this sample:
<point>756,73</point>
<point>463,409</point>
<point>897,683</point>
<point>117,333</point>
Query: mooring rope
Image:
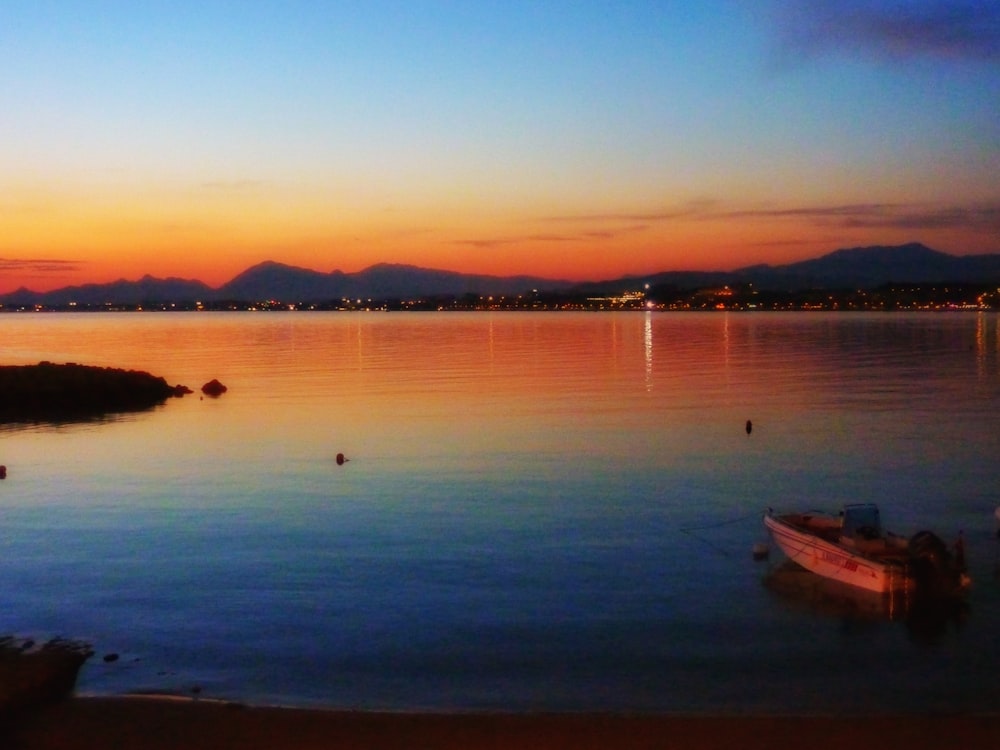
<point>692,531</point>
<point>718,524</point>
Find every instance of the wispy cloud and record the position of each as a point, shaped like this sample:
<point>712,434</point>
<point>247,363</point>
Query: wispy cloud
<point>979,217</point>
<point>890,29</point>
<point>849,212</point>
<point>37,265</point>
<point>589,235</point>
<point>830,218</point>
<point>640,219</point>
<point>795,242</point>
<point>984,218</point>
<point>609,234</point>
<point>490,242</point>
<point>487,243</point>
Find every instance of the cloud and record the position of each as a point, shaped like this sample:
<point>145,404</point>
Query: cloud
<point>485,244</point>
<point>589,235</point>
<point>851,210</point>
<point>37,265</point>
<point>980,217</point>
<point>890,29</point>
<point>491,242</point>
<point>639,220</point>
<point>609,234</point>
<point>794,242</point>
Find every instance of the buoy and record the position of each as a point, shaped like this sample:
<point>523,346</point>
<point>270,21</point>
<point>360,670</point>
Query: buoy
<point>749,427</point>
<point>340,459</point>
<point>3,472</point>
<point>761,551</point>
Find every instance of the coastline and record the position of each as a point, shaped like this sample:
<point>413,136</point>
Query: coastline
<point>161,722</point>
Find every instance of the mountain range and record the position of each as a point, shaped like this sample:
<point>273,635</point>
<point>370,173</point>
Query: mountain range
<point>849,268</point>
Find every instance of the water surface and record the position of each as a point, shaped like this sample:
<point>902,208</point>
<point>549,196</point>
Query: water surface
<point>540,511</point>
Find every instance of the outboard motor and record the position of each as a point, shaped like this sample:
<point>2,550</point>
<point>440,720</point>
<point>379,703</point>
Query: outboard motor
<point>934,569</point>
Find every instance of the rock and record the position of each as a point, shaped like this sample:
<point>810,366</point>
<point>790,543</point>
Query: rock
<point>109,658</point>
<point>181,390</point>
<point>31,677</point>
<point>49,392</point>
<point>213,388</point>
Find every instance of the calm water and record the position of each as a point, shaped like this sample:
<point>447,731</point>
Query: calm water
<point>540,511</point>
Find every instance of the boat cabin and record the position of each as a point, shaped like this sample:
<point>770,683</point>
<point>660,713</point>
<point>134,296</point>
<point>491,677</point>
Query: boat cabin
<point>861,529</point>
<point>860,521</point>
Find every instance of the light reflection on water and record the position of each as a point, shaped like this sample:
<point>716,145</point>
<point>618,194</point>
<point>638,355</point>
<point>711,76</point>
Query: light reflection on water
<point>507,533</point>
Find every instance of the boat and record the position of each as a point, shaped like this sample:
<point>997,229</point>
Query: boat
<point>853,548</point>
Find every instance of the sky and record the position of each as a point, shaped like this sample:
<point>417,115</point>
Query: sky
<point>573,140</point>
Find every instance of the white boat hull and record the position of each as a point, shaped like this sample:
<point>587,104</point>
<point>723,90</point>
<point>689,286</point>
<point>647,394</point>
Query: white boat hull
<point>837,562</point>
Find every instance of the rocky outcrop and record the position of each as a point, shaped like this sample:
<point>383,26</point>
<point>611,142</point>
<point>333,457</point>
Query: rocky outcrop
<point>49,392</point>
<point>213,388</point>
<point>33,676</point>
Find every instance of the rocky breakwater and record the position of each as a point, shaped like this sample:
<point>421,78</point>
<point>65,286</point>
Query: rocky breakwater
<point>67,392</point>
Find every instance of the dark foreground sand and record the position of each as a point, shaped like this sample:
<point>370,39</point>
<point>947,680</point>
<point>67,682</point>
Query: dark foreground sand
<point>152,724</point>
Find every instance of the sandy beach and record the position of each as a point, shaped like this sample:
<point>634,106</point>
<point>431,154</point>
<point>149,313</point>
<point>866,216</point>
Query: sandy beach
<point>148,723</point>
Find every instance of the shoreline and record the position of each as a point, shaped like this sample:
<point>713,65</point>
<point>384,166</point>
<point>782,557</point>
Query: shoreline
<point>158,722</point>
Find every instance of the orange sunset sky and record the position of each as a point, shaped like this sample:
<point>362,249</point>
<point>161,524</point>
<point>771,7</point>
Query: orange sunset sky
<point>567,140</point>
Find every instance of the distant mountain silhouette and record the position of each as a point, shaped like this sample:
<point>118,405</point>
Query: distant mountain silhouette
<point>147,290</point>
<point>867,267</point>
<point>272,280</point>
<point>849,268</point>
<point>277,281</point>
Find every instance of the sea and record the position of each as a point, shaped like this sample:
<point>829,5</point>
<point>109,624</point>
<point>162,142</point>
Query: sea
<point>549,511</point>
